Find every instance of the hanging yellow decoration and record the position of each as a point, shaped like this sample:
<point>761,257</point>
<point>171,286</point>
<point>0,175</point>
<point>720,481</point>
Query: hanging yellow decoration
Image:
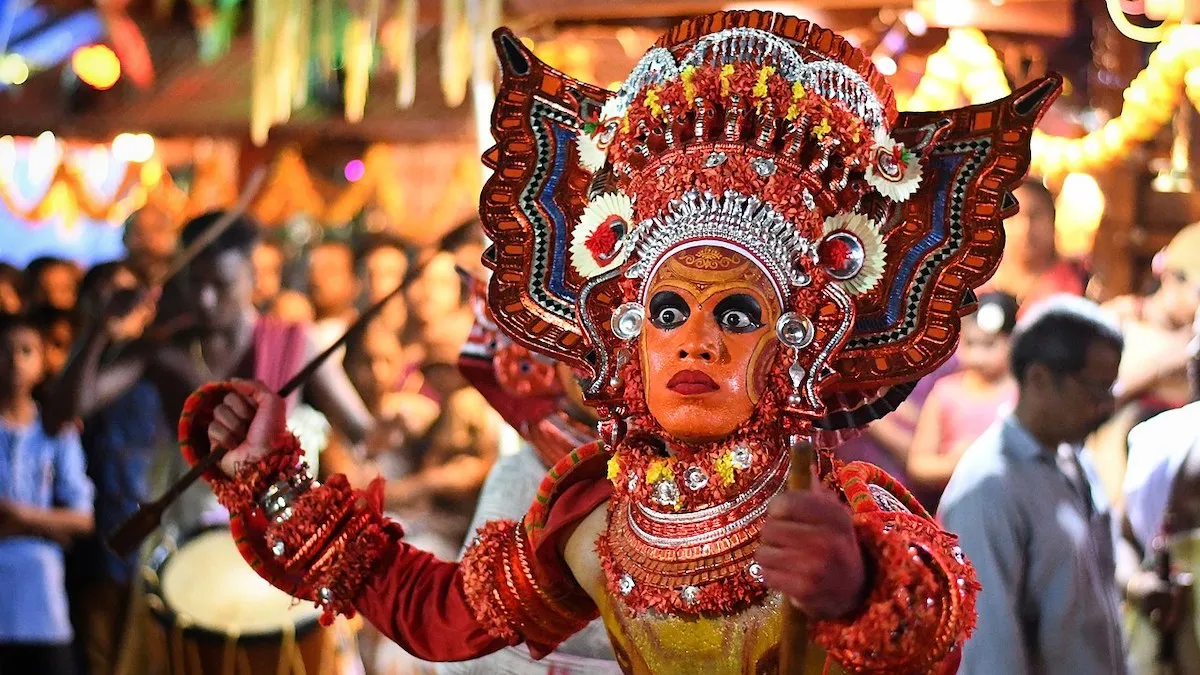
<point>968,64</point>
<point>303,10</point>
<point>262,100</point>
<point>360,55</point>
<point>405,53</point>
<point>455,52</point>
<point>325,39</point>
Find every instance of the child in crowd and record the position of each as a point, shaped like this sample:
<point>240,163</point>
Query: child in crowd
<point>388,377</point>
<point>52,281</point>
<point>45,503</point>
<point>57,328</point>
<point>963,405</point>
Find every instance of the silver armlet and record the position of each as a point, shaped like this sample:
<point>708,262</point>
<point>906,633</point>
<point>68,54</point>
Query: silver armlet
<point>277,501</point>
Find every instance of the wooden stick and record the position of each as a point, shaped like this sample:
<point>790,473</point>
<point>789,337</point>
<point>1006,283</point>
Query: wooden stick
<point>793,641</point>
<point>148,517</point>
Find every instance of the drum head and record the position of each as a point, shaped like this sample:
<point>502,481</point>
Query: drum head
<point>207,585</point>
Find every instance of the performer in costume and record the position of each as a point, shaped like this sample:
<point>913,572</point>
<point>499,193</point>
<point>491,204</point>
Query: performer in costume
<point>743,248</point>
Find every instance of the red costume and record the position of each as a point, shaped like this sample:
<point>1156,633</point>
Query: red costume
<point>746,248</point>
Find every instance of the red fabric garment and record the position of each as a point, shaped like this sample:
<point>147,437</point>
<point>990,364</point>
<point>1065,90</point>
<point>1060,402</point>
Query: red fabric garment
<point>921,607</point>
<point>419,602</point>
<point>280,351</point>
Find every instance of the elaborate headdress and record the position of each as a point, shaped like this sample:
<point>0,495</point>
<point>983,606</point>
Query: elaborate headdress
<point>778,139</point>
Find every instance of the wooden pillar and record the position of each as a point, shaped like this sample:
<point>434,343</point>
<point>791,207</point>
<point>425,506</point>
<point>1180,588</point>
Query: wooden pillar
<point>1112,262</point>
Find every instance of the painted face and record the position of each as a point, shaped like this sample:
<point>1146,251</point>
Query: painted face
<point>708,342</point>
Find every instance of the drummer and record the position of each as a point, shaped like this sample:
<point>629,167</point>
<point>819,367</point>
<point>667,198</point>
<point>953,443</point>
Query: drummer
<point>1162,495</point>
<point>225,337</point>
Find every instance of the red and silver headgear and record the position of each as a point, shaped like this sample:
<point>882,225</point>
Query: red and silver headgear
<point>773,137</point>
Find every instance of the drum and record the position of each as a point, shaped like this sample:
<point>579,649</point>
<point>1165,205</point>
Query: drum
<point>215,616</point>
<point>1144,639</point>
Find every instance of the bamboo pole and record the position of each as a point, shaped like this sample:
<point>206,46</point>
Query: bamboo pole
<point>793,640</point>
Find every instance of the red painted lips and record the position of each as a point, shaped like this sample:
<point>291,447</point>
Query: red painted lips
<point>691,383</point>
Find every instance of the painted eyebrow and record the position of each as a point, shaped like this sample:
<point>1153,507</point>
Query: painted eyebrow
<point>667,298</point>
<point>740,301</point>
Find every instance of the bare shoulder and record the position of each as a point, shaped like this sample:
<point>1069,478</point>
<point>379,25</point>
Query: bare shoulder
<point>580,552</point>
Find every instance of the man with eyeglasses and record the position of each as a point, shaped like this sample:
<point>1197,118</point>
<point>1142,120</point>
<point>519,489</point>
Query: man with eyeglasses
<point>1030,512</point>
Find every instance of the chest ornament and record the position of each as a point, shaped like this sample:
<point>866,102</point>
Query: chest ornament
<point>683,529</point>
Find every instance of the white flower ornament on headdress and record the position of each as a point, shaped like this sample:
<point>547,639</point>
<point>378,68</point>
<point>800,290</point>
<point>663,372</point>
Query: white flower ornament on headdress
<point>594,140</point>
<point>853,252</point>
<point>600,241</point>
<point>894,170</point>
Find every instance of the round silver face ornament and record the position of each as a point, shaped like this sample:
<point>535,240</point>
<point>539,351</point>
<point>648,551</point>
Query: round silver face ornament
<point>794,330</point>
<point>842,255</point>
<point>627,320</point>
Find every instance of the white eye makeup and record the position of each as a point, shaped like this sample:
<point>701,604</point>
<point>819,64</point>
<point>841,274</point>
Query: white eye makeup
<point>668,310</point>
<point>739,313</point>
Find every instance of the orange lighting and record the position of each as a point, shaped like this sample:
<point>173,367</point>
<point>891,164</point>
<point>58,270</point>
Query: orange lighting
<point>96,65</point>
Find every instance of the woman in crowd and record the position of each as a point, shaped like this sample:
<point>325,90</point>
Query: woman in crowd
<point>963,405</point>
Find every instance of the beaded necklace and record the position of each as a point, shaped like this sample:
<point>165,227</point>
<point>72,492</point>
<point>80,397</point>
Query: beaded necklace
<point>683,528</point>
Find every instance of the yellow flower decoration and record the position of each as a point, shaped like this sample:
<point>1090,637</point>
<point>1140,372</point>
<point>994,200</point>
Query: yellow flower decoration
<point>652,102</point>
<point>726,72</point>
<point>760,87</point>
<point>659,469</point>
<point>822,130</point>
<point>614,469</point>
<point>688,76</point>
<point>798,94</point>
<point>724,468</point>
<point>857,137</point>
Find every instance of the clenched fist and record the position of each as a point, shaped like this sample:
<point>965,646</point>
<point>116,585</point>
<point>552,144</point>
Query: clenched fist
<point>810,553</point>
<point>245,422</point>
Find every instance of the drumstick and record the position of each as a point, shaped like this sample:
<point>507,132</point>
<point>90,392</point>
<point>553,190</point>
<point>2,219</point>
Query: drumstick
<point>793,641</point>
<point>148,517</point>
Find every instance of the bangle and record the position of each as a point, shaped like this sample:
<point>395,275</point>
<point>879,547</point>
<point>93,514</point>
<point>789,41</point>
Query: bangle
<point>277,501</point>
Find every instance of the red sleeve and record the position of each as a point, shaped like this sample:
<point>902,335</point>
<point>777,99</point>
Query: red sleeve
<point>515,573</point>
<point>335,547</point>
<point>418,602</point>
<point>442,611</point>
<point>921,605</point>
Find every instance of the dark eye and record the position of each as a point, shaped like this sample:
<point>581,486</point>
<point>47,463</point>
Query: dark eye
<point>739,313</point>
<point>668,310</point>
